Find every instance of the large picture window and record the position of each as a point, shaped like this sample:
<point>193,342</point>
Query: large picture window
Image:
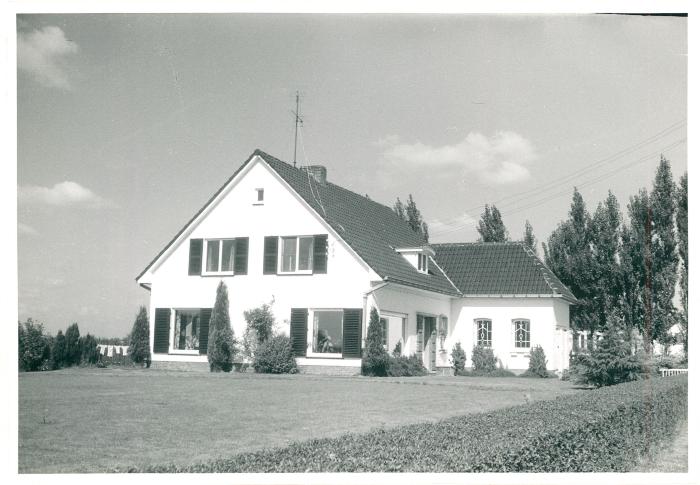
<point>483,332</point>
<point>220,254</point>
<point>186,330</point>
<point>296,254</point>
<point>327,332</point>
<point>522,333</point>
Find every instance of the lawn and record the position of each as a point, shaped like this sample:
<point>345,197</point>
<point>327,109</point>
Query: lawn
<point>93,420</point>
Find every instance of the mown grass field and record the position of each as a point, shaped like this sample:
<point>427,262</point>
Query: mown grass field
<point>94,420</point>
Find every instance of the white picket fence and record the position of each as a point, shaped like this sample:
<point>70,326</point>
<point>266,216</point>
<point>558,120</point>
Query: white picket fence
<point>673,372</point>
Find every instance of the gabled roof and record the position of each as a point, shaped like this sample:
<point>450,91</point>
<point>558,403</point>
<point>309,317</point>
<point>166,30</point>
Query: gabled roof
<point>371,229</point>
<point>498,269</point>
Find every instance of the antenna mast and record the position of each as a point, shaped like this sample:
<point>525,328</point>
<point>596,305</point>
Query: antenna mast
<point>297,121</point>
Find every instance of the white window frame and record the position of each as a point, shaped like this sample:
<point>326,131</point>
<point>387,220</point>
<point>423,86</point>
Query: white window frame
<point>221,253</point>
<point>529,334</point>
<point>490,331</point>
<point>404,325</point>
<point>310,333</point>
<point>171,342</point>
<point>280,262</point>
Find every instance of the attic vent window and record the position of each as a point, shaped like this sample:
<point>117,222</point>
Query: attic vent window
<point>260,196</point>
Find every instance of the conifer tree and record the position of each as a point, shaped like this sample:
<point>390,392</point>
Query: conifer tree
<point>375,360</point>
<point>139,345</point>
<point>73,350</point>
<point>221,348</point>
<point>491,227</point>
<point>58,351</point>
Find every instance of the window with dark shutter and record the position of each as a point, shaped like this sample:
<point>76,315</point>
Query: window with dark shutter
<point>161,331</point>
<point>321,253</point>
<point>352,332</point>
<point>270,255</point>
<point>204,317</point>
<point>241,256</point>
<point>195,266</point>
<point>298,331</point>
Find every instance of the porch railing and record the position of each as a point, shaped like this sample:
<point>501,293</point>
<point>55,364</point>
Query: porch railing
<point>673,372</point>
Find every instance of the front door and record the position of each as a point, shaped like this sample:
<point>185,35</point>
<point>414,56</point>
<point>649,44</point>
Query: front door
<point>427,326</point>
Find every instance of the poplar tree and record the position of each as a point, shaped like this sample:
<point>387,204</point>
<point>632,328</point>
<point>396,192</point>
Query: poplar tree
<point>682,228</point>
<point>221,347</point>
<point>664,261</point>
<point>529,237</point>
<point>491,227</point>
<point>409,212</point>
<point>58,351</point>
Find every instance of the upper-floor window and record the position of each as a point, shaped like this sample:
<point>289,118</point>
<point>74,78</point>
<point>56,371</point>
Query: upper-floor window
<point>220,255</point>
<point>260,195</point>
<point>483,332</point>
<point>522,333</point>
<point>423,263</point>
<point>296,254</point>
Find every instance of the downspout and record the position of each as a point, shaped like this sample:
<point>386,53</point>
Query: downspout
<point>365,296</point>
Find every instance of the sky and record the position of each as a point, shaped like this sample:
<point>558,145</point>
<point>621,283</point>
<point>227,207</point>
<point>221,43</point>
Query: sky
<point>127,124</point>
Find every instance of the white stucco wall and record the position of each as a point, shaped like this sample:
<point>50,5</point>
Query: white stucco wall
<point>238,215</point>
<point>546,315</point>
<point>405,300</point>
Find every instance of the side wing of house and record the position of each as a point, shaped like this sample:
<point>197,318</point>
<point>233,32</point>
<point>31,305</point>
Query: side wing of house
<point>264,242</point>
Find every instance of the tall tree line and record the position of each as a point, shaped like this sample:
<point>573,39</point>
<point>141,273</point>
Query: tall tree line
<point>630,267</point>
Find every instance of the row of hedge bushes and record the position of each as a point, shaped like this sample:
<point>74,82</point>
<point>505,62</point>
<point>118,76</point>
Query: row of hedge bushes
<point>602,430</point>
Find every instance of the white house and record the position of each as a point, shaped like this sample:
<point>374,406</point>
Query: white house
<point>324,256</point>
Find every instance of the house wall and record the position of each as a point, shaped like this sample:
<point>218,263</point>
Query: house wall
<point>409,301</point>
<point>546,315</point>
<point>239,215</point>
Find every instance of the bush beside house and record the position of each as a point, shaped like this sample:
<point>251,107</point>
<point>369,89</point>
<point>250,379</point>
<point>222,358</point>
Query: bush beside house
<point>538,364</point>
<point>375,359</point>
<point>459,358</point>
<point>139,339</point>
<point>274,356</point>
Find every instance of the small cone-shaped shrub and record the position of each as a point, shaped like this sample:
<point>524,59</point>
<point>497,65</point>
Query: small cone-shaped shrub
<point>222,347</point>
<point>139,347</point>
<point>375,360</point>
<point>483,359</point>
<point>538,363</point>
<point>459,357</point>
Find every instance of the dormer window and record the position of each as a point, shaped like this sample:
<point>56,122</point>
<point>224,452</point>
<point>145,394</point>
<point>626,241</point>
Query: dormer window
<point>418,257</point>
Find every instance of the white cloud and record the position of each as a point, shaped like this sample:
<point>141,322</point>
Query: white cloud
<point>458,228</point>
<point>499,159</point>
<point>26,229</point>
<point>41,52</point>
<point>62,194</point>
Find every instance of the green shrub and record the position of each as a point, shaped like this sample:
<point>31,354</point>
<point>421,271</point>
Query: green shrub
<point>139,345</point>
<point>261,320</point>
<point>611,361</point>
<point>538,363</point>
<point>274,356</point>
<point>397,350</point>
<point>34,350</point>
<point>406,367</point>
<point>221,348</point>
<point>602,430</point>
<point>375,360</point>
<point>459,357</point>
<point>483,359</point>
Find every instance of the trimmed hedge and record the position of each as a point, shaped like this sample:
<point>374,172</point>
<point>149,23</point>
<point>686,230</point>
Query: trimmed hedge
<point>602,430</point>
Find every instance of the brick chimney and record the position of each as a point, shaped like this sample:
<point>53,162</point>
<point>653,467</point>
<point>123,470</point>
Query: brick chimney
<point>318,172</point>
